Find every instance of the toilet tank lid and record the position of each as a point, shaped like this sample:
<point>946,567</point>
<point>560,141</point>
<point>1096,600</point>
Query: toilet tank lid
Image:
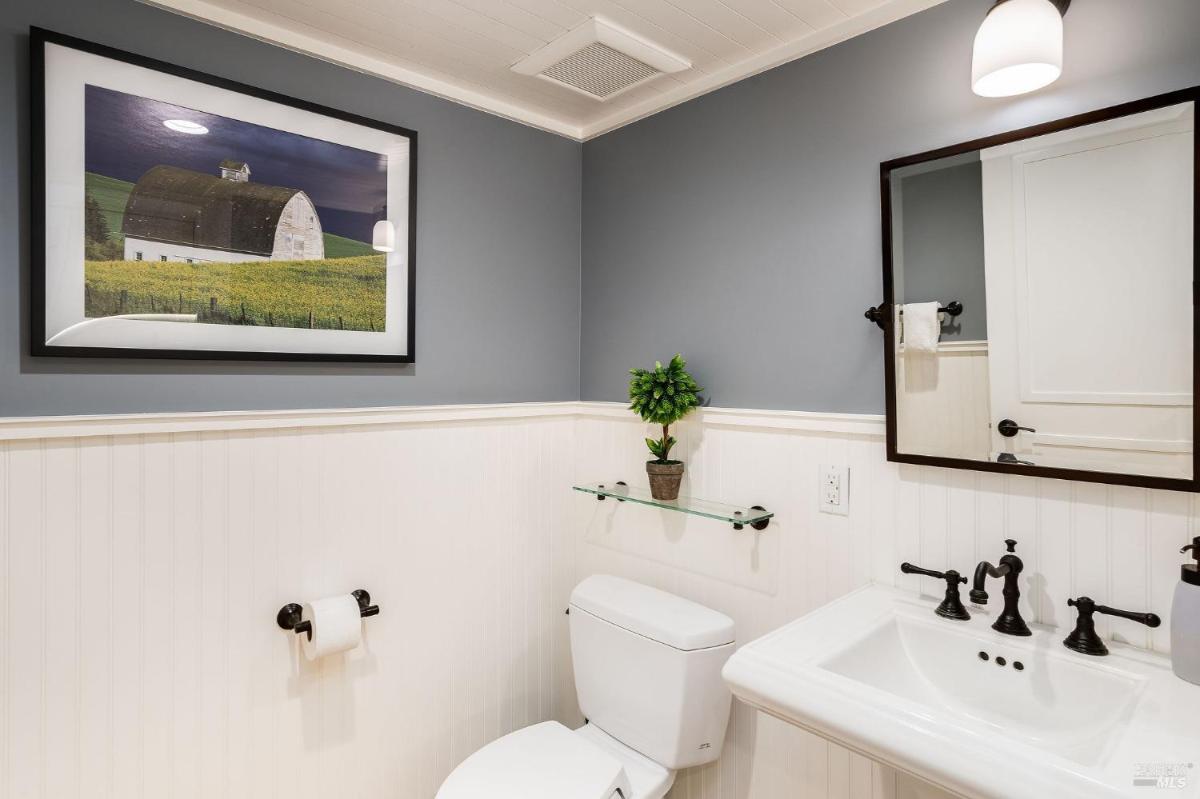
<point>662,617</point>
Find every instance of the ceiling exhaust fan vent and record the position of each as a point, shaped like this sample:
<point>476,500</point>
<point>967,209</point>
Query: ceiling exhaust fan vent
<point>600,60</point>
<point>600,71</point>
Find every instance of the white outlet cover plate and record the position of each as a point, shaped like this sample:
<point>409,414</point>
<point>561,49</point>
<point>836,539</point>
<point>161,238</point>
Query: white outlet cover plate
<point>833,480</point>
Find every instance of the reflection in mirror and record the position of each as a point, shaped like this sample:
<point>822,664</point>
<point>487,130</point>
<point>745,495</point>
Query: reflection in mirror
<point>1071,255</point>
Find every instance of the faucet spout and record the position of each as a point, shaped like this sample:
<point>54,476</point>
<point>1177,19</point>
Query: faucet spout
<point>978,595</point>
<point>1010,567</point>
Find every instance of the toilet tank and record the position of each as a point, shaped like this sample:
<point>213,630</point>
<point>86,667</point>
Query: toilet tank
<point>648,669</point>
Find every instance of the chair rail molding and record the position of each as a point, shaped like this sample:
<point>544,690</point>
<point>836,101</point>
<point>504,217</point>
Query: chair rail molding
<point>17,428</point>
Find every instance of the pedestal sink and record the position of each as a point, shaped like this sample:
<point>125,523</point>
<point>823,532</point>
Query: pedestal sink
<point>975,712</point>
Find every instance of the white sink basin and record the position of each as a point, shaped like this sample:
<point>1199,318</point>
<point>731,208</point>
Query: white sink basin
<point>878,672</point>
<point>1069,707</point>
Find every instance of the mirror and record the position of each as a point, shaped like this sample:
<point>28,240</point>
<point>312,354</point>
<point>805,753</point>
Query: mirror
<point>1038,299</point>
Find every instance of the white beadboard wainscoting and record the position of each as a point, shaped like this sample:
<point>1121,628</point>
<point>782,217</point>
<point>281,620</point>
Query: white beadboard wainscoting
<point>143,559</point>
<point>141,570</point>
<point>943,405</point>
<point>1118,545</point>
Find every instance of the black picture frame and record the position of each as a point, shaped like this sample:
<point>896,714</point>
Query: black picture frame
<point>38,39</point>
<point>886,316</point>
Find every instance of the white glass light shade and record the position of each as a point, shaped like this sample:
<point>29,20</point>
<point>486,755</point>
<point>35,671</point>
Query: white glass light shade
<point>1018,49</point>
<point>383,238</point>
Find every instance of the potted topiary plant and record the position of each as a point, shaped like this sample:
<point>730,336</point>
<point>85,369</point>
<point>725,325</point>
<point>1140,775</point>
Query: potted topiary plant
<point>663,395</point>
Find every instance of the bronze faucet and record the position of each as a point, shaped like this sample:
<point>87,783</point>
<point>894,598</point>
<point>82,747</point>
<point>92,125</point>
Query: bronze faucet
<point>1009,621</point>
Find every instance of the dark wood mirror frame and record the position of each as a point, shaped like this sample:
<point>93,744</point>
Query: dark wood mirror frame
<point>889,334</point>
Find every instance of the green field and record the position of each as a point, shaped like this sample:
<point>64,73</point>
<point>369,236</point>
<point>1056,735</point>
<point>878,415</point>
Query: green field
<point>342,247</point>
<point>338,293</point>
<point>112,194</point>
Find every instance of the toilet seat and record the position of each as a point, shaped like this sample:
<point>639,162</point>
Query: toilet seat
<point>647,779</point>
<point>544,761</point>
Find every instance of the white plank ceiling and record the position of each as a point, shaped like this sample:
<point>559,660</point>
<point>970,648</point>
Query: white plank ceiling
<point>463,49</point>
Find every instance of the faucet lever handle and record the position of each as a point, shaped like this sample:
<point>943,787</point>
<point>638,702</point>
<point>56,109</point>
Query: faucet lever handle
<point>908,568</point>
<point>1010,544</point>
<point>952,606</point>
<point>1084,638</point>
<point>1148,619</point>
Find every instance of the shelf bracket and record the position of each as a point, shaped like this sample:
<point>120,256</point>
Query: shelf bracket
<point>601,497</point>
<point>759,525</point>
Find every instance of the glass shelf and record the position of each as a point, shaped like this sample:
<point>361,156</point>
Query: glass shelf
<point>736,515</point>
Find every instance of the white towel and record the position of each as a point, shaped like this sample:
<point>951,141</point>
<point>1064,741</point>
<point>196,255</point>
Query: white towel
<point>922,327</point>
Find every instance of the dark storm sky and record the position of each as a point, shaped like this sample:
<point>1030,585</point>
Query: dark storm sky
<point>125,137</point>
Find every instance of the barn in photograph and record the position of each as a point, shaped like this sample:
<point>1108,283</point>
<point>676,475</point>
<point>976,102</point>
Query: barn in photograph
<point>176,214</point>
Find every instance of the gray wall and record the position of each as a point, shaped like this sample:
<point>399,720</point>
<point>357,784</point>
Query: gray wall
<point>742,228</point>
<point>941,213</point>
<point>497,241</point>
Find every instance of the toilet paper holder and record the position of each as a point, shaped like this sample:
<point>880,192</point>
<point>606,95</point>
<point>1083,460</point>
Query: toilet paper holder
<point>289,615</point>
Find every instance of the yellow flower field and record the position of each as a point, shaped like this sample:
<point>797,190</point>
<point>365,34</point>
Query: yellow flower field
<point>345,293</point>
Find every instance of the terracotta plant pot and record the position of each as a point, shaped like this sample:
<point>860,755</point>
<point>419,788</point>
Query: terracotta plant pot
<point>665,478</point>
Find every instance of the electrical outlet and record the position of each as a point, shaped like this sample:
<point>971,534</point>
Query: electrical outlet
<point>833,489</point>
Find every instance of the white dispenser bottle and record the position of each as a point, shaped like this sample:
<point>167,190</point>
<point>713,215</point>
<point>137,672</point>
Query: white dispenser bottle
<point>1185,619</point>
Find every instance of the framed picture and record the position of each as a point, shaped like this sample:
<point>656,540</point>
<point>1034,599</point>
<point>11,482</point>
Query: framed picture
<point>180,215</point>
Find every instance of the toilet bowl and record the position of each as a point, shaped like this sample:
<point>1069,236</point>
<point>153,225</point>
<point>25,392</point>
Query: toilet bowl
<point>648,678</point>
<point>550,761</point>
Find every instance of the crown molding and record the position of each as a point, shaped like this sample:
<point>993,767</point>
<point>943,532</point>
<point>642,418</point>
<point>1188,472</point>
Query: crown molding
<point>777,56</point>
<point>474,97</point>
<point>316,47</point>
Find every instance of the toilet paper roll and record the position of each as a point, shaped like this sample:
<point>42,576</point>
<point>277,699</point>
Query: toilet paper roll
<point>336,626</point>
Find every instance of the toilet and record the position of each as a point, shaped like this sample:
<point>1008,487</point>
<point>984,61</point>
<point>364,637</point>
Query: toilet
<point>648,678</point>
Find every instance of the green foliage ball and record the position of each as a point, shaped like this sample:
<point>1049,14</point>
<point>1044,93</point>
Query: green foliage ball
<point>662,396</point>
